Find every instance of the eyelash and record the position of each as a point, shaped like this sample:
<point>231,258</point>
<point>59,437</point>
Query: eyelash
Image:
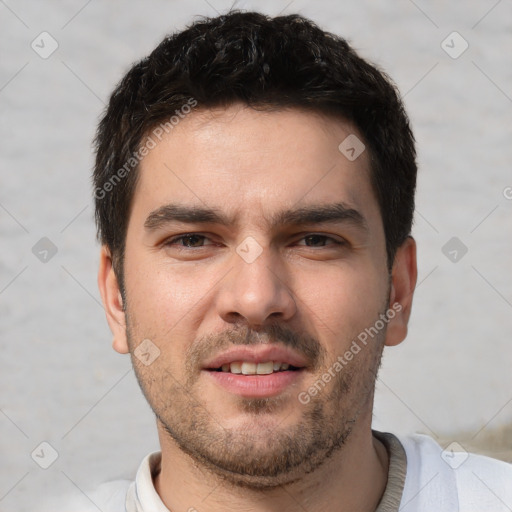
<point>172,241</point>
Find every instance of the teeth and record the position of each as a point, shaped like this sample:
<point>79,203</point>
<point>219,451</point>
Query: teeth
<point>247,368</point>
<point>236,367</point>
<point>265,368</point>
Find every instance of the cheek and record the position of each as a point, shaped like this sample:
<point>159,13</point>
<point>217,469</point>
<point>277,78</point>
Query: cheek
<point>342,303</point>
<point>165,298</point>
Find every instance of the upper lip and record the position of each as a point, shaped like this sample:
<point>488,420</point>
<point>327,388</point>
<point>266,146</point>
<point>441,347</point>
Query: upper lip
<point>257,354</point>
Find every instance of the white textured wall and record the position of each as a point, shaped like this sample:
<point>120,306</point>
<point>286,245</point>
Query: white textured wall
<point>60,382</point>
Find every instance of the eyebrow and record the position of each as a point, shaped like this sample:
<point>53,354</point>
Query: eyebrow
<point>311,214</point>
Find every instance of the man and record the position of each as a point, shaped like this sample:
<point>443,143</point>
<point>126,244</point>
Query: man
<point>254,189</point>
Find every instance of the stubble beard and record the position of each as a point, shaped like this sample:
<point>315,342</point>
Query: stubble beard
<point>259,454</point>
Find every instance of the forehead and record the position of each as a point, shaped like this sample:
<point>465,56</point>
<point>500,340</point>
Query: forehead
<point>249,163</point>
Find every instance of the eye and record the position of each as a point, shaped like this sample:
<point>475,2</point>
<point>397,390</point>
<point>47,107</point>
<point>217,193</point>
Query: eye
<point>189,240</point>
<point>316,240</point>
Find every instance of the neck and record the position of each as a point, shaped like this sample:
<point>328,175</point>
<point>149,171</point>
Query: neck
<point>353,478</point>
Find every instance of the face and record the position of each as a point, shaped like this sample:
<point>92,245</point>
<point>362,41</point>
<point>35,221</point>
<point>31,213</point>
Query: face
<point>255,257</point>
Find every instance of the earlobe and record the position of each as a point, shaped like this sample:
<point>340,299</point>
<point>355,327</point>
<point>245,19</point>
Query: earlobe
<point>112,301</point>
<point>403,281</point>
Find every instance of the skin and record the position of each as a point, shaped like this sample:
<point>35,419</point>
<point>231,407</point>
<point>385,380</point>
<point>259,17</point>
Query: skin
<point>196,297</point>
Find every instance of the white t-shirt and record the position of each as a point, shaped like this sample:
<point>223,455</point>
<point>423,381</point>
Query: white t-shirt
<point>422,478</point>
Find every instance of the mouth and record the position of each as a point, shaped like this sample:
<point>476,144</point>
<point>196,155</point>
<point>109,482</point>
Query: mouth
<point>257,372</point>
<point>249,368</point>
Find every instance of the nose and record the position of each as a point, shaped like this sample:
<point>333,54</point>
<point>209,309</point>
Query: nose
<point>256,292</point>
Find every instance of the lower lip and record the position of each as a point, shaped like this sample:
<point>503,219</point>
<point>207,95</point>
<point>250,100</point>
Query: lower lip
<point>256,386</point>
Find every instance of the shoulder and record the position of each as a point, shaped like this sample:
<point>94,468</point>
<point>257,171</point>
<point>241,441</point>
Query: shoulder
<point>108,497</point>
<point>459,479</point>
<point>111,496</point>
<point>116,495</point>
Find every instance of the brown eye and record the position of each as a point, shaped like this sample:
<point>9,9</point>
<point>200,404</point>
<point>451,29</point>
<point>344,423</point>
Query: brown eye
<point>316,240</point>
<point>190,240</point>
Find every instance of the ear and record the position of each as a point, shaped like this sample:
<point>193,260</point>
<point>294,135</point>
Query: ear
<point>403,281</point>
<point>112,301</point>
